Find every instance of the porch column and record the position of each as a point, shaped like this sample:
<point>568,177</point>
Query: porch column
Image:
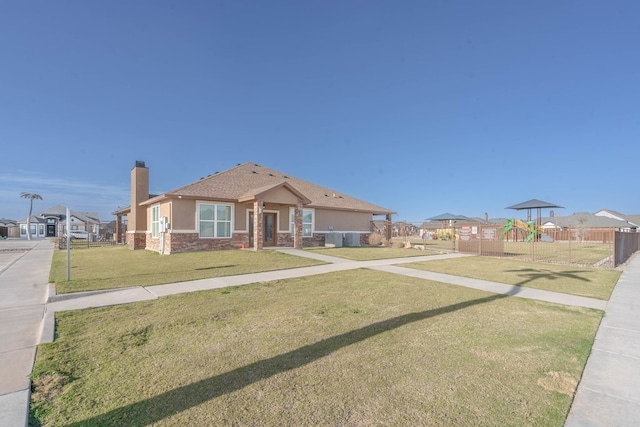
<point>118,231</point>
<point>258,224</point>
<point>388,228</point>
<point>297,227</point>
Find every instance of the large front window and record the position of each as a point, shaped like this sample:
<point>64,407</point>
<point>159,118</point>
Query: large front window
<point>214,220</point>
<point>307,222</point>
<point>155,220</point>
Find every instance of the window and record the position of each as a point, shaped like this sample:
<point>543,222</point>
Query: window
<point>307,222</point>
<point>155,220</point>
<point>214,220</point>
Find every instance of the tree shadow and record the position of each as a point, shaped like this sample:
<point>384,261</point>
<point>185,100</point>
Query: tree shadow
<point>532,274</point>
<point>156,408</point>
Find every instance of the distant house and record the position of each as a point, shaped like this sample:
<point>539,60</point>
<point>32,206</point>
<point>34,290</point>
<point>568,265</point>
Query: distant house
<point>9,228</point>
<point>52,222</point>
<point>249,206</point>
<point>633,220</point>
<point>586,220</point>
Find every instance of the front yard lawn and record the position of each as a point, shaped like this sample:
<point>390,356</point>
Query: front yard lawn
<point>357,347</point>
<point>366,253</point>
<point>568,279</point>
<point>119,267</point>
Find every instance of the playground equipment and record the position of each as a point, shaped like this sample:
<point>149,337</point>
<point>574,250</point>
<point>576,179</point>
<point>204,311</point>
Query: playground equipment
<point>530,227</point>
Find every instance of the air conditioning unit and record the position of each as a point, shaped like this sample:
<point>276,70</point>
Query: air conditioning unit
<point>333,240</point>
<point>352,239</point>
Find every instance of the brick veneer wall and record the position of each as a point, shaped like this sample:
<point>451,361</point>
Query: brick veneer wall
<point>190,242</point>
<point>136,240</point>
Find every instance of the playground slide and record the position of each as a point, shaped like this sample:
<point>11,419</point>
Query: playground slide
<point>525,227</point>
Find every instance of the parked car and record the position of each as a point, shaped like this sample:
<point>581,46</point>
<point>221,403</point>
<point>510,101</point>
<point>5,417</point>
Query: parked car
<point>79,234</point>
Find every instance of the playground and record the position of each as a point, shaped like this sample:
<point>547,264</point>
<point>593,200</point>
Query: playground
<point>524,239</point>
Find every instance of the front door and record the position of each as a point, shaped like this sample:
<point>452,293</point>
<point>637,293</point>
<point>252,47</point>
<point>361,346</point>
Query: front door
<point>51,230</point>
<point>270,229</point>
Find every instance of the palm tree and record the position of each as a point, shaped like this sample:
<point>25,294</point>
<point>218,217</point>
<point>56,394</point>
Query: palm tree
<point>31,197</point>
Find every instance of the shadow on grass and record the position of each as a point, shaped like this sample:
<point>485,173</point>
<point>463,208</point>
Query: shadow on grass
<point>216,266</point>
<point>155,409</point>
<point>531,274</point>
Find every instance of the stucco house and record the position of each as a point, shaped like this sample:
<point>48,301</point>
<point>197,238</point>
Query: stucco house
<point>52,222</point>
<point>249,205</point>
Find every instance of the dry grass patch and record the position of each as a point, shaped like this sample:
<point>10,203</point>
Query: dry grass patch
<point>118,267</point>
<point>575,280</point>
<point>351,348</point>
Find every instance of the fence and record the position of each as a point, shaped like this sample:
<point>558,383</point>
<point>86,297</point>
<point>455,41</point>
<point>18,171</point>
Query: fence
<point>626,245</point>
<point>584,246</point>
<point>84,243</point>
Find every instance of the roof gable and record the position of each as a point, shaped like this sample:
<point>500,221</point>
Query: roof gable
<point>248,180</point>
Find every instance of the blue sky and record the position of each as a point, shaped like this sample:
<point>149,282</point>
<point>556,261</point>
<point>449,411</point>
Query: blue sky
<point>422,107</point>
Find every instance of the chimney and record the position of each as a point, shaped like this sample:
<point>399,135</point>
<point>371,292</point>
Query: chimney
<point>486,217</point>
<point>552,214</point>
<point>137,219</point>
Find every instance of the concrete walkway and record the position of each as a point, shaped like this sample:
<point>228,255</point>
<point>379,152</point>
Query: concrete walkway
<point>24,278</point>
<point>609,393</point>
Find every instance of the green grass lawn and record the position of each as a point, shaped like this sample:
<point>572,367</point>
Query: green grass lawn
<point>575,280</point>
<point>352,348</point>
<point>366,253</point>
<point>117,267</point>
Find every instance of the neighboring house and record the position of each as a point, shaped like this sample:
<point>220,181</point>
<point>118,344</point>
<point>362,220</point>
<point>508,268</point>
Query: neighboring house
<point>52,223</point>
<point>633,220</point>
<point>248,206</point>
<point>9,228</point>
<point>586,220</point>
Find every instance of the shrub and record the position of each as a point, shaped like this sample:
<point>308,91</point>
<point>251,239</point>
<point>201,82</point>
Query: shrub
<point>375,239</point>
<point>398,244</point>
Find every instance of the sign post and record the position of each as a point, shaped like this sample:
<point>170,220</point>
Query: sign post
<point>68,237</point>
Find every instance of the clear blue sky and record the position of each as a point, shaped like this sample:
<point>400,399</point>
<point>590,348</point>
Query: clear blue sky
<point>422,107</point>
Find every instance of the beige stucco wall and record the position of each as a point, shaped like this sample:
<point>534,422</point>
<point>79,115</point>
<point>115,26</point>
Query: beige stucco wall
<point>280,196</point>
<point>342,220</point>
<point>183,214</point>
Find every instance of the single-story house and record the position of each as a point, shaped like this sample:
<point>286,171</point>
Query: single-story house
<point>52,222</point>
<point>586,220</point>
<point>249,205</point>
<point>633,220</point>
<point>9,228</point>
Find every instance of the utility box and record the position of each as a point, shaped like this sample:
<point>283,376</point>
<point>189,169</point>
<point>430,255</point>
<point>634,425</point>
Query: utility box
<point>352,239</point>
<point>333,240</point>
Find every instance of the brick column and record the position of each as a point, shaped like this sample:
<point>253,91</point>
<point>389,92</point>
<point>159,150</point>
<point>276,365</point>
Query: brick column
<point>258,224</point>
<point>297,226</point>
<point>388,228</point>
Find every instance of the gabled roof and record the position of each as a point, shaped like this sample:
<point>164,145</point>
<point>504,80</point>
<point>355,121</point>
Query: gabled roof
<point>533,204</point>
<point>4,222</point>
<point>632,219</point>
<point>250,179</point>
<point>586,219</point>
<point>61,212</point>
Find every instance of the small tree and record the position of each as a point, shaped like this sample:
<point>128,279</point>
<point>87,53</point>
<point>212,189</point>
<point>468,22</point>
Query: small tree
<point>31,197</point>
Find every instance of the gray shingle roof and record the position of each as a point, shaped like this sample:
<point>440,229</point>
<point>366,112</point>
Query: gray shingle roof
<point>533,204</point>
<point>587,220</point>
<point>246,179</point>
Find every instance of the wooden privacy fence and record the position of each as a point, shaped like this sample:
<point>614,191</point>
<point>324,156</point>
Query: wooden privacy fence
<point>599,247</point>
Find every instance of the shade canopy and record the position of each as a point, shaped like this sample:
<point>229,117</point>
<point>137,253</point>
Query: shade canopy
<point>448,217</point>
<point>533,204</point>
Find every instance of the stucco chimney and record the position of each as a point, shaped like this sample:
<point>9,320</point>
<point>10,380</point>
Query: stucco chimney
<point>137,219</point>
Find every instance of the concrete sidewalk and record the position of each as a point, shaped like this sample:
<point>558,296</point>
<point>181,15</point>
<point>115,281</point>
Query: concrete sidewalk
<point>609,393</point>
<point>24,277</point>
